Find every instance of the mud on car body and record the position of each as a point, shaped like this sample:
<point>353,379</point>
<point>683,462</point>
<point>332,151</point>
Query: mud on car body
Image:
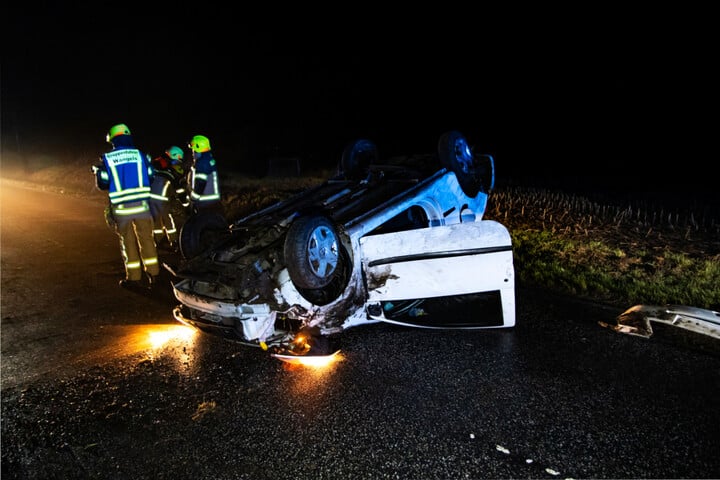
<point>403,242</point>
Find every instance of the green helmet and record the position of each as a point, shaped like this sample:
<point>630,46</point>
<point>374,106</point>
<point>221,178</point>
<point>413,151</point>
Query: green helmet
<point>174,153</point>
<point>199,144</point>
<point>117,130</point>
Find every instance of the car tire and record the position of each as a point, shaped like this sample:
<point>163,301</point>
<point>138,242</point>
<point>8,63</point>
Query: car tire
<point>313,252</point>
<point>199,232</point>
<point>455,155</point>
<point>331,291</point>
<point>357,158</point>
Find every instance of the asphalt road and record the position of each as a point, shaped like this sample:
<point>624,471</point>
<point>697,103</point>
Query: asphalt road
<point>98,382</point>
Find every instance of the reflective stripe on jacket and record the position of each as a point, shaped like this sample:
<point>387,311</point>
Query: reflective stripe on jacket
<point>160,188</point>
<point>131,208</point>
<point>204,181</point>
<point>130,174</point>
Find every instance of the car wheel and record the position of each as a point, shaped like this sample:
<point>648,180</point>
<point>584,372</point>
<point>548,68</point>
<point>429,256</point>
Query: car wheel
<point>312,252</point>
<point>338,284</point>
<point>456,156</point>
<point>357,158</point>
<point>199,232</point>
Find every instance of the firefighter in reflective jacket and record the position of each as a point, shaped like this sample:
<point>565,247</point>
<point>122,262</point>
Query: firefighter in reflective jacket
<point>167,187</point>
<point>125,172</point>
<point>204,183</point>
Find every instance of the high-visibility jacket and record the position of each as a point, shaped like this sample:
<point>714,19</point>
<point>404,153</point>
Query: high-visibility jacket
<point>162,188</point>
<point>204,181</point>
<point>127,175</point>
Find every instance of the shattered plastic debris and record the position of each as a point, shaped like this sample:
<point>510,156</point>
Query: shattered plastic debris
<point>502,449</point>
<point>472,435</point>
<point>552,472</point>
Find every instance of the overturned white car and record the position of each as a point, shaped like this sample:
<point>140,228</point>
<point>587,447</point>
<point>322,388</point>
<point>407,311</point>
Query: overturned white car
<point>402,242</point>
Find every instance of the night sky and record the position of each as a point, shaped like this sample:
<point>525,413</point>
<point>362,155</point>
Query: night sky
<point>598,98</point>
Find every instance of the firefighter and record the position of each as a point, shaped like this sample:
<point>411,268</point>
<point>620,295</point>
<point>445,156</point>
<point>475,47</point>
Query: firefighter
<point>168,186</point>
<point>204,182</point>
<point>126,174</point>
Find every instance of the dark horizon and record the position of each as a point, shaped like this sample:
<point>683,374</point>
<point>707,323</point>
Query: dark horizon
<point>569,104</point>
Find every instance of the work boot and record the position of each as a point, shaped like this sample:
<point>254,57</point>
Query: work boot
<point>132,285</point>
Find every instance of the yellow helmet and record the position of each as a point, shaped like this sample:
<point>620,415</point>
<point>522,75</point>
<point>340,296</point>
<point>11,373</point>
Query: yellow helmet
<point>117,130</point>
<point>199,144</point>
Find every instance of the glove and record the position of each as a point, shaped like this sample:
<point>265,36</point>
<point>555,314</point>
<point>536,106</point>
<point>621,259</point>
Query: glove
<point>102,181</point>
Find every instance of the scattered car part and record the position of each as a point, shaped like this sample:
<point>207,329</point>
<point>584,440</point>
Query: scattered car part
<point>638,319</point>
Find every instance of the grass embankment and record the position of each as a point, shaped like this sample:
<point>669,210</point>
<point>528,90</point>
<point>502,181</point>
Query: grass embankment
<point>622,254</point>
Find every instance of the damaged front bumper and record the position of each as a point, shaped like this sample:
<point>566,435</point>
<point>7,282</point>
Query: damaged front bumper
<point>256,324</point>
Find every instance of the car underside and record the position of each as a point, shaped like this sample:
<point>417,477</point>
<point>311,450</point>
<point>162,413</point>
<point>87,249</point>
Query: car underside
<point>402,242</point>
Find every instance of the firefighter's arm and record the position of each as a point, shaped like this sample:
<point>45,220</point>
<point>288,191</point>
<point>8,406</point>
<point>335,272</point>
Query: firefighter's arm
<point>148,165</point>
<point>198,182</point>
<point>102,179</point>
<point>181,192</point>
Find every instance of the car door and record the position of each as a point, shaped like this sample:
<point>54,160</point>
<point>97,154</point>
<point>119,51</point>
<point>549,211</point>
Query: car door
<point>440,261</point>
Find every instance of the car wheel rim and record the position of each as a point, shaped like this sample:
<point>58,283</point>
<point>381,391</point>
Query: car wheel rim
<point>323,252</point>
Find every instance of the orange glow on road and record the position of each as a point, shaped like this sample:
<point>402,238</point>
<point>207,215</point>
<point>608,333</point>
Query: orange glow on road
<point>312,376</point>
<point>159,336</point>
<point>153,341</point>
<point>154,338</point>
<point>318,362</point>
<point>175,341</point>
